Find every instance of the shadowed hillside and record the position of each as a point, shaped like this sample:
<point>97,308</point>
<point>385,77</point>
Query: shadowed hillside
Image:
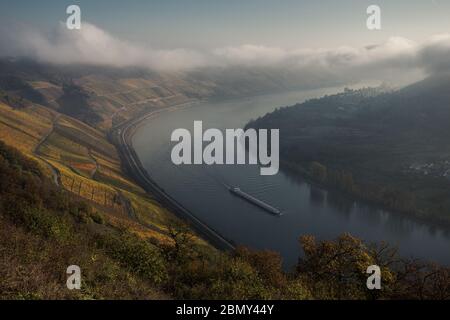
<point>388,147</point>
<point>106,96</point>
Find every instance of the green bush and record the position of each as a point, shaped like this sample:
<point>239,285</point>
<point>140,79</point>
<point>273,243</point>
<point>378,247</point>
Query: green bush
<point>137,255</point>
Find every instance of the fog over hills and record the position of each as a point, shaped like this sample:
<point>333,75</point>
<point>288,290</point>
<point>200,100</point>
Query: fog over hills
<point>397,59</point>
<point>110,77</point>
<point>100,94</point>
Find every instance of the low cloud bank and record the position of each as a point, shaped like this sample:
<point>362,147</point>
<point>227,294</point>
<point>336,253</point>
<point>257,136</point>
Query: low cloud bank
<point>92,45</point>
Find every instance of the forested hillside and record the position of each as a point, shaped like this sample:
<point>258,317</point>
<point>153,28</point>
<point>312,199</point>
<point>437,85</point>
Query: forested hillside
<point>387,147</point>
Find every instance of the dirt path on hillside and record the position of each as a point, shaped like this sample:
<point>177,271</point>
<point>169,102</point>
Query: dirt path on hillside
<point>95,162</point>
<point>132,213</point>
<point>55,172</point>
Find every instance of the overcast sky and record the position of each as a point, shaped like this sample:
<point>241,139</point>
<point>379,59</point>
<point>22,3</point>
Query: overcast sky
<point>219,23</point>
<point>321,39</point>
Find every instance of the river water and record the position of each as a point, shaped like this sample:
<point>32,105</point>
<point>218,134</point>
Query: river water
<point>306,209</point>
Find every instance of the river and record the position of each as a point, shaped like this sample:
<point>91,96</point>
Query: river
<point>307,210</point>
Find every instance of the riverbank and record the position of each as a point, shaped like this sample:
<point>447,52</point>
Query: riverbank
<point>121,137</point>
<point>355,195</point>
<point>201,190</point>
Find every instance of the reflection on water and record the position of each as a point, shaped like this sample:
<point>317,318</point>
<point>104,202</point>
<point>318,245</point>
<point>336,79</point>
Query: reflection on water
<point>341,204</point>
<point>306,209</point>
<point>317,196</point>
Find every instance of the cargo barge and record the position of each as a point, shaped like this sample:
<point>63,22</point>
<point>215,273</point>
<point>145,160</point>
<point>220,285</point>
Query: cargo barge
<point>259,203</point>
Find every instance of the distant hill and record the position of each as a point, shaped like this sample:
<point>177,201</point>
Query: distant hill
<point>100,97</point>
<point>105,96</point>
<point>390,147</point>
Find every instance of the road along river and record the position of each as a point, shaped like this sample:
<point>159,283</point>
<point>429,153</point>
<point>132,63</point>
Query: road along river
<point>203,191</point>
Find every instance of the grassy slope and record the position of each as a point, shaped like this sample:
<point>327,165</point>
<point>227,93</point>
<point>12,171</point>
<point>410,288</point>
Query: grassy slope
<point>43,230</point>
<point>86,163</point>
<point>33,267</point>
<point>111,99</point>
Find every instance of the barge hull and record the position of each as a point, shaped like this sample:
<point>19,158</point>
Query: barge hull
<point>238,192</point>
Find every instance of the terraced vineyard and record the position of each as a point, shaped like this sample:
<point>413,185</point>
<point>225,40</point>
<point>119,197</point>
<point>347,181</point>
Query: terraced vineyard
<point>85,164</point>
<point>61,117</point>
